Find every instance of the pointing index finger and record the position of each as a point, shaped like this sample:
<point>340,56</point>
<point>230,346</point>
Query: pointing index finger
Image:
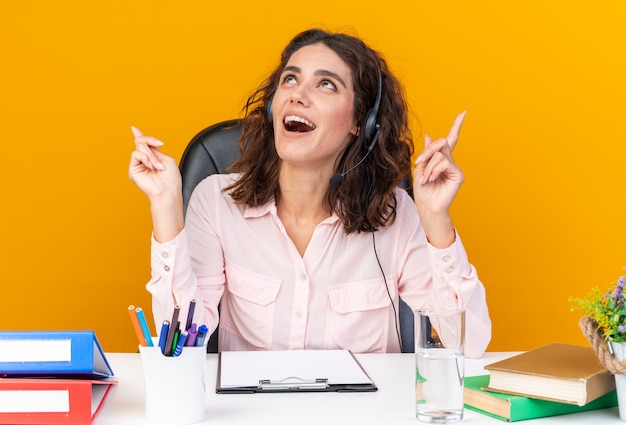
<point>140,138</point>
<point>453,135</point>
<point>136,131</point>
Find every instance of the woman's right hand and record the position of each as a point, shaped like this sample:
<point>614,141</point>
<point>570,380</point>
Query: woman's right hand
<point>158,176</point>
<point>155,173</point>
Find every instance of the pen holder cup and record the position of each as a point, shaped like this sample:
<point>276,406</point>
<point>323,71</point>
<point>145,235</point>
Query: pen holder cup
<point>174,386</point>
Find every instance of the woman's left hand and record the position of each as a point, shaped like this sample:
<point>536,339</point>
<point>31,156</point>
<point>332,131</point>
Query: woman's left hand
<point>436,181</point>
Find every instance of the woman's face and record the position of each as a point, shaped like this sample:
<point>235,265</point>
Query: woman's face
<point>313,109</point>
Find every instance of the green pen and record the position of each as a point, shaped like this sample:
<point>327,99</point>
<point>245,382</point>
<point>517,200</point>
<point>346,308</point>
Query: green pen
<point>175,341</point>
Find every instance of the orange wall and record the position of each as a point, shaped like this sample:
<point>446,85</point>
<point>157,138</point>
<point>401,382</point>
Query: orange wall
<point>541,212</point>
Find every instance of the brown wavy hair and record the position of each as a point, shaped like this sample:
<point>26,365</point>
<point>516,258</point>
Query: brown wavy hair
<point>365,200</point>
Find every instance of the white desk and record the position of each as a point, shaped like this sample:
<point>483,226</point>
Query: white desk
<point>393,403</point>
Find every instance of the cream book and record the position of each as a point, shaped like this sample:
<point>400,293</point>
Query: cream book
<point>556,372</point>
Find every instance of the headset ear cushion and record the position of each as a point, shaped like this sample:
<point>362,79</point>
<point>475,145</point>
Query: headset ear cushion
<point>370,126</point>
<point>270,117</point>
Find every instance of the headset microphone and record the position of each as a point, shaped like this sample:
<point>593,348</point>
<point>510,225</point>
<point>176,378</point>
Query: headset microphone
<point>338,178</point>
<point>370,132</point>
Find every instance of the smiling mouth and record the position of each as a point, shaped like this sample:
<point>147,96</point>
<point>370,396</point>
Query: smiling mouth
<point>298,124</point>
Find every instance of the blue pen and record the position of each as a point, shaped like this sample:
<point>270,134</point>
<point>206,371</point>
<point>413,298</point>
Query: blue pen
<point>144,326</point>
<point>202,331</point>
<point>180,344</point>
<point>165,328</point>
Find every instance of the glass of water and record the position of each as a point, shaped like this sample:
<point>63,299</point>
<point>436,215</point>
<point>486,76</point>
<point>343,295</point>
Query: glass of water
<point>439,342</point>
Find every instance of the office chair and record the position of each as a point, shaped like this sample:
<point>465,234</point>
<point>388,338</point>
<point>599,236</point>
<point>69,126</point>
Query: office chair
<point>212,151</point>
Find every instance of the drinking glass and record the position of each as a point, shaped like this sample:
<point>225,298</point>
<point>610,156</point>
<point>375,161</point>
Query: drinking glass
<point>440,365</point>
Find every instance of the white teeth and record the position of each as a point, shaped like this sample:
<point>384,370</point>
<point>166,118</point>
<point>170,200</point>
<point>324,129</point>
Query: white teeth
<point>290,118</point>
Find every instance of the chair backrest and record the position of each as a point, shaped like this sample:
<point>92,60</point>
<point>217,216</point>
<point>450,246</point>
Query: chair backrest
<point>212,151</point>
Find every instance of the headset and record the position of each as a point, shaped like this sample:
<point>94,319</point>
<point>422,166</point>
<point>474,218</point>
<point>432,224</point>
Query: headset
<point>370,132</point>
<point>270,117</point>
<point>370,129</point>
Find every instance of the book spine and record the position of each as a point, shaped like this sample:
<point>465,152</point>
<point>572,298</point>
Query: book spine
<point>49,401</point>
<point>47,352</point>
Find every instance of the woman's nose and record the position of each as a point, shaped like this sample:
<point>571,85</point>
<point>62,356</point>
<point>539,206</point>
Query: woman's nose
<point>299,95</point>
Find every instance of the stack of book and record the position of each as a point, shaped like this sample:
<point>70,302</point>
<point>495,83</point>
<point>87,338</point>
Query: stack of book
<point>547,381</point>
<point>52,377</point>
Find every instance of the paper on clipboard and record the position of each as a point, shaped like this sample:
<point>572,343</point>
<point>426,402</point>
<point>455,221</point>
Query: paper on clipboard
<point>299,370</point>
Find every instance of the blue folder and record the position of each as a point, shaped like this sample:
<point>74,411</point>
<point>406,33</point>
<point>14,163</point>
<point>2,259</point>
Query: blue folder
<point>52,353</point>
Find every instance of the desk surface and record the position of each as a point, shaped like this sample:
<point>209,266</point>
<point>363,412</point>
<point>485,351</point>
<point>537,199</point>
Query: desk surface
<point>393,403</point>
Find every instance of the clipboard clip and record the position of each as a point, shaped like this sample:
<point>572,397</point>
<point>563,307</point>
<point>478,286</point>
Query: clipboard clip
<point>293,383</point>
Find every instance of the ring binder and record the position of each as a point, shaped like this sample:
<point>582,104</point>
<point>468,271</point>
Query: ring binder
<point>57,353</point>
<point>293,383</point>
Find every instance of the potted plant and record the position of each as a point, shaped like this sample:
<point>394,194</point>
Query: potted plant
<point>604,326</point>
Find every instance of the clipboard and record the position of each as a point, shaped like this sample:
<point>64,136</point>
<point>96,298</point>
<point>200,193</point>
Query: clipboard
<point>249,372</point>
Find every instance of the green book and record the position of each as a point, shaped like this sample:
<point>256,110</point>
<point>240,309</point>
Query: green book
<point>513,408</point>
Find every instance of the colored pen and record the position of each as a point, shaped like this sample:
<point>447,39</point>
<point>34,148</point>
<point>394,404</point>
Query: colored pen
<point>192,307</point>
<point>181,343</point>
<point>165,328</point>
<point>136,325</point>
<point>170,334</point>
<point>144,326</point>
<point>175,341</point>
<point>193,333</point>
<point>202,330</point>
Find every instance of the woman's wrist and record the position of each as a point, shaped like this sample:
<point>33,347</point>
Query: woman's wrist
<point>167,217</point>
<point>439,230</point>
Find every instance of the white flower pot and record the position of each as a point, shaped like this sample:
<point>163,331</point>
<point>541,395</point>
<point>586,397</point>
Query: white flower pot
<point>619,351</point>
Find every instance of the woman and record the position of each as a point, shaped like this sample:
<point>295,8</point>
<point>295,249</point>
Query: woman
<point>295,261</point>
